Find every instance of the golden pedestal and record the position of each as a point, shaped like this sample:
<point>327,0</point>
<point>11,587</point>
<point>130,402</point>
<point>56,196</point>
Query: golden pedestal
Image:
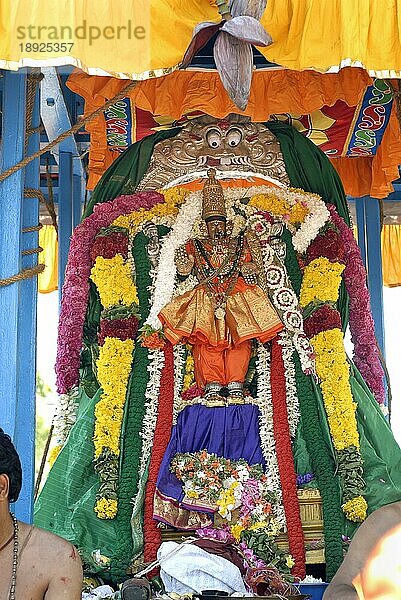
<point>310,504</point>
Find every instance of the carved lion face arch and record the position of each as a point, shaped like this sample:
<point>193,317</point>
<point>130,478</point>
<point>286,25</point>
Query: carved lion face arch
<point>234,146</point>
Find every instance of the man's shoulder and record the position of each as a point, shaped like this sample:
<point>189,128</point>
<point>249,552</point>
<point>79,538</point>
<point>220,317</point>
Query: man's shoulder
<point>54,546</point>
<point>390,514</point>
<point>48,536</point>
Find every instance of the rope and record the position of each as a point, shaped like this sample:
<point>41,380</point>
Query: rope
<point>32,251</point>
<point>35,193</point>
<point>50,203</point>
<point>66,134</point>
<point>32,228</point>
<point>33,80</point>
<point>24,274</point>
<point>37,129</point>
<point>43,462</point>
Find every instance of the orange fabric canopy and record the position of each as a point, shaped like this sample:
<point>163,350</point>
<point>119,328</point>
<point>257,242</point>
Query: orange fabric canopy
<point>273,92</point>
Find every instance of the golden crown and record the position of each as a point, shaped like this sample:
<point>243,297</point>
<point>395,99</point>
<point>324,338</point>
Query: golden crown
<point>213,198</point>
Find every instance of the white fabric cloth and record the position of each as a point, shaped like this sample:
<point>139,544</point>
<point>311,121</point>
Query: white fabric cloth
<point>192,569</point>
<point>103,591</point>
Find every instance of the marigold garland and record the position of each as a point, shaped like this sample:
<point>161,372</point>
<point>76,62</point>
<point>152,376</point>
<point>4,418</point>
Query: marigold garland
<point>111,273</point>
<point>106,508</point>
<point>113,369</point>
<point>333,370</point>
<point>53,454</point>
<point>113,279</point>
<point>321,281</point>
<point>189,377</point>
<point>355,509</point>
<point>130,460</point>
<point>294,213</point>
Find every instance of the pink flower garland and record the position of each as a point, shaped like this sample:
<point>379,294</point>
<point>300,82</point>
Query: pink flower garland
<point>366,353</point>
<point>76,283</point>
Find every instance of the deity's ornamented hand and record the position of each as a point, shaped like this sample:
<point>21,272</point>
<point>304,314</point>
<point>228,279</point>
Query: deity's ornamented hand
<point>249,272</point>
<point>184,261</point>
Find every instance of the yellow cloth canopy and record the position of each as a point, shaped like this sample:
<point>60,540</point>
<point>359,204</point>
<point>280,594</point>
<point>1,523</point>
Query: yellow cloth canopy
<point>391,252</point>
<point>139,39</point>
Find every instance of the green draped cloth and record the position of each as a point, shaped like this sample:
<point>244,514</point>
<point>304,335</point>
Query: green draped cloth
<point>65,505</point>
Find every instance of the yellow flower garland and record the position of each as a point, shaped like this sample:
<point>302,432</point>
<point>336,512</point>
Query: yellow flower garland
<point>113,370</point>
<point>321,281</point>
<point>333,371</point>
<point>173,197</point>
<point>113,279</point>
<point>189,376</point>
<point>295,213</point>
<point>106,508</point>
<point>356,509</point>
<point>53,454</point>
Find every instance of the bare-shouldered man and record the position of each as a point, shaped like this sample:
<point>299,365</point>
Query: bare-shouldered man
<point>346,585</point>
<point>48,567</point>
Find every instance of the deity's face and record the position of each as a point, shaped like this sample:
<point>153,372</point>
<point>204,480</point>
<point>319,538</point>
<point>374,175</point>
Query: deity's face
<point>216,229</point>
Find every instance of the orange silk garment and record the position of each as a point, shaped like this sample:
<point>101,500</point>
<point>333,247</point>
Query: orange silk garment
<point>221,346</point>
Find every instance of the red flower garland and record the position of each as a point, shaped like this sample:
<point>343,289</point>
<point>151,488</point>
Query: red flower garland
<point>109,245</point>
<point>285,460</point>
<point>123,329</point>
<point>328,244</point>
<point>322,319</point>
<point>151,532</point>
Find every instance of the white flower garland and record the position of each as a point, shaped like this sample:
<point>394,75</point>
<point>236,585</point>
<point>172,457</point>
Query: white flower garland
<point>165,279</point>
<point>290,383</point>
<point>267,441</point>
<point>281,292</point>
<point>66,415</point>
<point>155,368</point>
<point>179,365</point>
<point>315,220</point>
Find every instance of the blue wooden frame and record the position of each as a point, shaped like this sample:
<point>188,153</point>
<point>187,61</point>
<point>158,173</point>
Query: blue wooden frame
<point>369,240</point>
<point>18,300</point>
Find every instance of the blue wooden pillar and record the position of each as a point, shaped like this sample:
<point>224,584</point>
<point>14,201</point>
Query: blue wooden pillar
<point>11,198</point>
<point>27,309</point>
<point>369,238</point>
<point>18,300</point>
<point>361,227</point>
<point>65,213</point>
<point>77,200</point>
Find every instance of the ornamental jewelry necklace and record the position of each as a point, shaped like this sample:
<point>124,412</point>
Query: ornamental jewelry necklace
<point>11,595</point>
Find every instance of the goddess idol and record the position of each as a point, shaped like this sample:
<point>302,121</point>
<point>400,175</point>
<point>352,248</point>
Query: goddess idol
<point>219,318</point>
